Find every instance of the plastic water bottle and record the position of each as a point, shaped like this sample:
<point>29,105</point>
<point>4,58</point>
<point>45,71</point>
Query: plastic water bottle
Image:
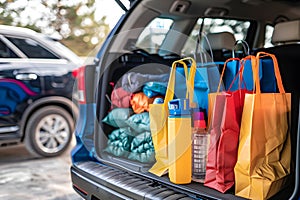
<point>199,147</point>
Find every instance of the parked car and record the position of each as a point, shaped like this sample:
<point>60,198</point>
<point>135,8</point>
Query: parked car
<point>36,86</point>
<point>149,37</point>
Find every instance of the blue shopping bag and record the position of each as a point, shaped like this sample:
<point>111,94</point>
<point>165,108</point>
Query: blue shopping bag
<point>266,71</point>
<point>207,79</point>
<point>266,75</point>
<point>268,82</point>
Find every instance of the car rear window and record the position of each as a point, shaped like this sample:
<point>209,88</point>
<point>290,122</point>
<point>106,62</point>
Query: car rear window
<point>6,52</point>
<point>31,48</point>
<point>154,34</point>
<point>238,28</point>
<point>268,36</point>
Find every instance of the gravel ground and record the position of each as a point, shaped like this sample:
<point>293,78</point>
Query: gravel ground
<point>24,177</point>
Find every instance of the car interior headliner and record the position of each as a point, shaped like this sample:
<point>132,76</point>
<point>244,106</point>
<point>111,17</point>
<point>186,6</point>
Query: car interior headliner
<point>243,9</point>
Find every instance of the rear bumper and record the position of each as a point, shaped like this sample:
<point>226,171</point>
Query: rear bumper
<point>103,182</point>
<point>95,181</point>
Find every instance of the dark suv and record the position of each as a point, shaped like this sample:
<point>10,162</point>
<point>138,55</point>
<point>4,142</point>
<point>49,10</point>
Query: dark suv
<point>36,91</point>
<point>114,152</point>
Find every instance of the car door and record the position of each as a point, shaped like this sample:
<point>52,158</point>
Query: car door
<point>52,68</point>
<point>19,82</point>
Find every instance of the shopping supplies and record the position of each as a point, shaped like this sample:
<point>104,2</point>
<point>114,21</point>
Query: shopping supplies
<point>266,71</point>
<point>199,146</point>
<point>207,77</point>
<point>179,141</point>
<point>160,131</point>
<point>264,152</point>
<point>226,112</point>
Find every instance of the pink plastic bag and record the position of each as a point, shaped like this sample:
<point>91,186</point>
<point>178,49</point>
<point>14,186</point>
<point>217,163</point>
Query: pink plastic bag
<point>120,98</point>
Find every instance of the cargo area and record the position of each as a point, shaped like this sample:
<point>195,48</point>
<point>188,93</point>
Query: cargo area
<point>132,63</point>
<point>116,151</point>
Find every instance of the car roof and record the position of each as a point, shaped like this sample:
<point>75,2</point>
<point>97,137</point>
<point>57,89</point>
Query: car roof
<point>48,41</point>
<point>5,29</point>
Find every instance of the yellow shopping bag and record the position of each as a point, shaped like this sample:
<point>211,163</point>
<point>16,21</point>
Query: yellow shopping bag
<point>264,152</point>
<point>159,113</point>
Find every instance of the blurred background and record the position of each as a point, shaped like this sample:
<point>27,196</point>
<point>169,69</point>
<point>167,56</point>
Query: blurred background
<point>79,24</point>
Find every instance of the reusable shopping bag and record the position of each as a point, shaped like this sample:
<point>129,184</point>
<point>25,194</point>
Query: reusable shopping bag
<point>264,152</point>
<point>233,66</point>
<point>206,81</point>
<point>227,108</point>
<point>266,71</point>
<point>159,121</point>
<point>207,78</point>
<point>180,130</point>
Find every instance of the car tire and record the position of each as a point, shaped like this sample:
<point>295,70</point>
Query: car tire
<point>49,131</point>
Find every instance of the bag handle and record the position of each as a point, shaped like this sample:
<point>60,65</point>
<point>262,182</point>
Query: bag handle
<point>201,35</point>
<point>276,70</point>
<point>239,74</point>
<point>223,71</point>
<point>189,81</point>
<point>244,45</point>
<point>241,70</point>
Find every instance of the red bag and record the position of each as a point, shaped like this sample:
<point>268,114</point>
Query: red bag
<point>120,98</point>
<point>224,135</point>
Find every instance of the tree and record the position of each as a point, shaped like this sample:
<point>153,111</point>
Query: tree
<point>5,17</point>
<point>71,21</point>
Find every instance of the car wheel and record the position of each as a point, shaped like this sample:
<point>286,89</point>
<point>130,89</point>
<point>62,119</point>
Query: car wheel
<point>49,131</point>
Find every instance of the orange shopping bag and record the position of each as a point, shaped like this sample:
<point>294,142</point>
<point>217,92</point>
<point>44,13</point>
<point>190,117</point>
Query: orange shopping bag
<point>264,152</point>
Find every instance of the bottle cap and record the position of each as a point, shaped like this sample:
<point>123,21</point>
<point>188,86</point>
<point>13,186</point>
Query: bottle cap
<point>158,100</point>
<point>198,115</point>
<point>199,119</point>
<point>199,124</point>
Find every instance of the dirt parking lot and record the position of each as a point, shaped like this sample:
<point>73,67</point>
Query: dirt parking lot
<point>25,177</point>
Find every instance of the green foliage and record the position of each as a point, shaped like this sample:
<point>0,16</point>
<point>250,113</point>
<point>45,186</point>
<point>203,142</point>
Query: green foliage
<point>72,21</point>
<point>5,17</point>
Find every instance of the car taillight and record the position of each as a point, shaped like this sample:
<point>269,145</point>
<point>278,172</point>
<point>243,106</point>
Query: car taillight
<point>80,76</point>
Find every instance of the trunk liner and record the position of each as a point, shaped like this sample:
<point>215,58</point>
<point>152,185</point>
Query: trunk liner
<point>149,187</point>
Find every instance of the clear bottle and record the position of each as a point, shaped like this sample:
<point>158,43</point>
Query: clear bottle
<point>199,147</point>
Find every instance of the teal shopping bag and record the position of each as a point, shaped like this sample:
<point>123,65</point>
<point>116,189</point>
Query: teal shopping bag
<point>207,78</point>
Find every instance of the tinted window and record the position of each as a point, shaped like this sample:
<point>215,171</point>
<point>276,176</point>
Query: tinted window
<point>214,25</point>
<point>268,36</point>
<point>31,48</point>
<point>154,34</point>
<point>237,27</point>
<point>6,52</point>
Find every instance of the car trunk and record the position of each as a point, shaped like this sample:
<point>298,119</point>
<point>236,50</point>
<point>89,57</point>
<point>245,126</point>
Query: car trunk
<point>120,65</point>
<point>116,66</point>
